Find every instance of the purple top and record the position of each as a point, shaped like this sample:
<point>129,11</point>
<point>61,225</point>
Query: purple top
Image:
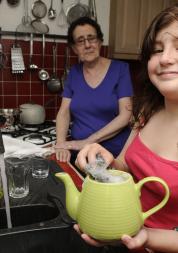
<point>93,108</point>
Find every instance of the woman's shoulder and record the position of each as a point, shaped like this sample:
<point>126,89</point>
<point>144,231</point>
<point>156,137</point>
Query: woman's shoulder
<point>119,65</point>
<point>76,69</point>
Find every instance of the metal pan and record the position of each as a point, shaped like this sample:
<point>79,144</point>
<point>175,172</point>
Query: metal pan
<point>76,11</point>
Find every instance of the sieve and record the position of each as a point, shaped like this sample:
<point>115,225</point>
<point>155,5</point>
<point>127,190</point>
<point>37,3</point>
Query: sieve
<point>76,11</point>
<point>25,25</point>
<point>39,9</point>
<point>40,26</point>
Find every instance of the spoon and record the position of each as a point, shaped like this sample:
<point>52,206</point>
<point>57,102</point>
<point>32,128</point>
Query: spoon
<point>43,74</point>
<point>51,11</point>
<point>31,65</point>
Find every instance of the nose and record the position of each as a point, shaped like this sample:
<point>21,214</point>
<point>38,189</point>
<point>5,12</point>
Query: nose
<point>167,56</point>
<point>87,43</point>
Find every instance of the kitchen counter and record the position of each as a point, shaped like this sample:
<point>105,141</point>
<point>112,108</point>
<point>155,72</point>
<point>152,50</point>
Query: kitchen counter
<point>41,189</point>
<point>40,221</point>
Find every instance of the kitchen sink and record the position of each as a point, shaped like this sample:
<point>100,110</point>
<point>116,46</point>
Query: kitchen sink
<point>28,215</point>
<point>42,228</point>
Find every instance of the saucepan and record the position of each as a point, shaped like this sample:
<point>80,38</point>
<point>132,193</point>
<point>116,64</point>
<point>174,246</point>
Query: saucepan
<point>32,114</point>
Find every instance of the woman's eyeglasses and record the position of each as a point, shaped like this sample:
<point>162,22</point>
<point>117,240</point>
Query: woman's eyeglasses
<point>90,38</point>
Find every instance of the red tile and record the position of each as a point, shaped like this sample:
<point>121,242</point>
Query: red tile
<point>60,62</point>
<point>23,88</point>
<point>73,60</point>
<point>38,60</point>
<point>37,99</point>
<point>48,61</point>
<point>61,48</point>
<point>1,71</point>
<point>10,101</point>
<point>50,101</point>
<point>9,88</point>
<point>37,47</point>
<point>24,45</point>
<point>16,89</point>
<point>34,75</point>
<point>37,88</point>
<point>23,100</point>
<point>50,114</point>
<point>1,90</point>
<point>7,44</point>
<point>1,101</point>
<point>8,76</point>
<point>49,48</point>
<point>8,60</point>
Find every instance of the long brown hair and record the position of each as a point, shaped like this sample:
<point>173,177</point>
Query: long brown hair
<point>150,100</point>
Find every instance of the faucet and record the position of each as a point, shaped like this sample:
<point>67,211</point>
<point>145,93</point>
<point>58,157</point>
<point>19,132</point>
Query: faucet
<point>2,150</point>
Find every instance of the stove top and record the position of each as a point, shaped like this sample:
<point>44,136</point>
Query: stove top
<point>42,135</point>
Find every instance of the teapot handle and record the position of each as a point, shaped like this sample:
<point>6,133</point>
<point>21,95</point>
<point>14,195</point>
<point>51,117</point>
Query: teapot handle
<point>162,203</point>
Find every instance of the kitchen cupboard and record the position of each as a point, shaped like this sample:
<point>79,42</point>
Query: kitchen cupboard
<point>128,22</point>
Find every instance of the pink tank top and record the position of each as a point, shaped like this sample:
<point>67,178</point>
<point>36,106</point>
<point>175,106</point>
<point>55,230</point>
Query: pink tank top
<point>143,163</point>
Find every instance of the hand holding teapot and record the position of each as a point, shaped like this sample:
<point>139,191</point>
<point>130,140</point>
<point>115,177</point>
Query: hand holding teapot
<point>106,211</point>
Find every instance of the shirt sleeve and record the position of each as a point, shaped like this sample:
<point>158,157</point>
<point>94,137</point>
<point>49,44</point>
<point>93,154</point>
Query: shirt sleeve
<point>124,87</point>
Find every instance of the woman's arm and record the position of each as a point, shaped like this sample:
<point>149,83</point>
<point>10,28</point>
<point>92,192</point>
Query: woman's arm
<point>63,120</point>
<point>117,124</point>
<point>156,239</point>
<point>62,127</point>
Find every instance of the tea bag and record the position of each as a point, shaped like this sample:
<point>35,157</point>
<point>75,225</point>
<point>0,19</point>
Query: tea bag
<point>98,170</point>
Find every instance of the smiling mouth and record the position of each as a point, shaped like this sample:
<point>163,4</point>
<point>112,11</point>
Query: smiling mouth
<point>168,74</point>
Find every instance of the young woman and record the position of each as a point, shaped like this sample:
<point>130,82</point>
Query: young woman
<point>96,97</point>
<point>152,148</point>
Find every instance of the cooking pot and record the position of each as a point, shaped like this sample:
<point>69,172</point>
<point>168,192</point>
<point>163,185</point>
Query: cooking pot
<point>32,114</point>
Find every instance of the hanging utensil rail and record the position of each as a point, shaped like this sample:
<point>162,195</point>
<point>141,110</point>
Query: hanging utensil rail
<point>22,34</point>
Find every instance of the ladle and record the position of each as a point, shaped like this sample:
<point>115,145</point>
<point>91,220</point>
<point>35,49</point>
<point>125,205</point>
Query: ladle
<point>51,11</point>
<point>54,84</point>
<point>43,74</point>
<point>31,65</point>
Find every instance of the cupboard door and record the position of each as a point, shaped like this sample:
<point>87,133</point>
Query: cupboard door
<point>128,22</point>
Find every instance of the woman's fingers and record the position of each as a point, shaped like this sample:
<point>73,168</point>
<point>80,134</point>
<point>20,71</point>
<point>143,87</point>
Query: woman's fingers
<point>63,155</point>
<point>88,155</point>
<point>88,239</point>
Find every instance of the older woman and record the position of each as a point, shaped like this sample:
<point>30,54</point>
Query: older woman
<point>96,97</point>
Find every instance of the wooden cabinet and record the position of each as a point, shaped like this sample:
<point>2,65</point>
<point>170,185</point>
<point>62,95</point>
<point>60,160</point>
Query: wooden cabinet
<point>128,22</point>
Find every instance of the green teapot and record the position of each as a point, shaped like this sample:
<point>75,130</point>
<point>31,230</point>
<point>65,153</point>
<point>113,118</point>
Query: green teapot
<point>106,211</point>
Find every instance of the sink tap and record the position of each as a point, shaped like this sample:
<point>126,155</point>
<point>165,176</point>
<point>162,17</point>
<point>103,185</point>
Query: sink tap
<point>2,150</point>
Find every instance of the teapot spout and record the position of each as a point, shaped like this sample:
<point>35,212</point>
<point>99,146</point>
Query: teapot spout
<point>72,194</point>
